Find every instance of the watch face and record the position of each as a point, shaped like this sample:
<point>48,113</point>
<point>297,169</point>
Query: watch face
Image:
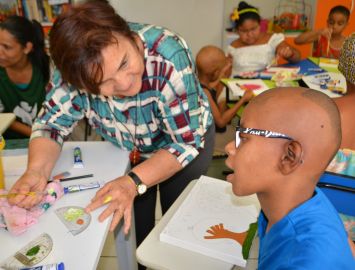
<point>141,189</point>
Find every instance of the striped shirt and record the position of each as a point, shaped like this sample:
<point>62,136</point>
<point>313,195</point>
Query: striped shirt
<point>170,112</point>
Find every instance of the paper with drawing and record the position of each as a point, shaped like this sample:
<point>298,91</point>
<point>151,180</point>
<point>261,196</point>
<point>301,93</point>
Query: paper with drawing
<point>238,87</point>
<point>211,202</point>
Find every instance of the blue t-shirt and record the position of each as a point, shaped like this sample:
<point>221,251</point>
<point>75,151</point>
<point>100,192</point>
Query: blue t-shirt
<point>311,236</point>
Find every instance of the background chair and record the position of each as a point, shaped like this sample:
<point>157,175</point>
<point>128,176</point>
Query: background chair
<point>340,190</point>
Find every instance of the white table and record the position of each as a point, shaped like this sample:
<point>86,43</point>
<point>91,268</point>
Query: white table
<point>5,121</point>
<point>82,251</point>
<point>158,255</point>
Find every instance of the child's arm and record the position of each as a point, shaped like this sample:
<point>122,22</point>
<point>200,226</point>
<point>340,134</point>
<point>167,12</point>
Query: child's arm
<point>287,52</point>
<point>221,119</point>
<point>311,36</point>
<point>21,128</point>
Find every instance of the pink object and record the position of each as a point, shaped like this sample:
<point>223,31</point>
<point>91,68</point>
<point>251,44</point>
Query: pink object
<point>264,25</point>
<point>251,87</point>
<point>16,220</point>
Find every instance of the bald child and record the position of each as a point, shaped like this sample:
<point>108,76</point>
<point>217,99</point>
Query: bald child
<point>287,137</point>
<point>212,66</point>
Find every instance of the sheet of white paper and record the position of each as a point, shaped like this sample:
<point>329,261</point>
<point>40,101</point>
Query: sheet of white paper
<point>211,202</point>
<point>311,81</point>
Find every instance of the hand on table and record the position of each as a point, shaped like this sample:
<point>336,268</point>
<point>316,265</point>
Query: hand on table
<point>119,195</point>
<point>30,181</point>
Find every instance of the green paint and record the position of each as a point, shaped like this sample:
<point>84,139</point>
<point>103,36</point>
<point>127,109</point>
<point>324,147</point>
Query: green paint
<point>33,251</point>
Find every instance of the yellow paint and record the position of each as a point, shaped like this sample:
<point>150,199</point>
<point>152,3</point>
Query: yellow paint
<point>108,199</point>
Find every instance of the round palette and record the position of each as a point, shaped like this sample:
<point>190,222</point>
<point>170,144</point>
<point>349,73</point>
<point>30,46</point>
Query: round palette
<point>74,218</point>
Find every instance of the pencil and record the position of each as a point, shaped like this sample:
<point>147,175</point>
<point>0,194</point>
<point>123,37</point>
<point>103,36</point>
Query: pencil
<point>75,177</point>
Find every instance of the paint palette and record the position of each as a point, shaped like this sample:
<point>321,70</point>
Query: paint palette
<point>31,254</point>
<point>74,218</point>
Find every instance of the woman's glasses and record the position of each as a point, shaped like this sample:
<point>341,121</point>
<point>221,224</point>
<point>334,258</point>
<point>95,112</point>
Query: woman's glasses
<point>259,132</point>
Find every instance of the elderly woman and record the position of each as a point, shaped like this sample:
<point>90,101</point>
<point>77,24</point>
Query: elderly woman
<point>136,85</point>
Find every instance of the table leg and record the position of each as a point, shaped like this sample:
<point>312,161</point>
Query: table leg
<point>126,247</point>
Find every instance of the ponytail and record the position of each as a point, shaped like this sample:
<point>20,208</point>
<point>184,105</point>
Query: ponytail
<point>39,56</point>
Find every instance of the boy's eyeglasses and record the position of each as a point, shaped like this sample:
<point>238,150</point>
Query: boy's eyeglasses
<point>259,132</point>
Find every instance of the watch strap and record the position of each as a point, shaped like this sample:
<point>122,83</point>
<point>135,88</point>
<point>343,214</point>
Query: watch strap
<point>137,181</point>
<point>135,178</point>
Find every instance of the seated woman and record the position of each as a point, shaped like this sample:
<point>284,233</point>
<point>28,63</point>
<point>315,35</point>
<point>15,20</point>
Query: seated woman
<point>24,73</point>
<point>344,161</point>
<point>327,42</point>
<point>255,50</point>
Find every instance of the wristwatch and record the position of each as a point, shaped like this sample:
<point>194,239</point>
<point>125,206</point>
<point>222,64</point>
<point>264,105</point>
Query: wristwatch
<point>140,186</point>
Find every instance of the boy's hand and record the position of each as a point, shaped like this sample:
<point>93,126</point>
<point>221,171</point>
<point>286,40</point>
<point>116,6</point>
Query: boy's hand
<point>326,32</point>
<point>226,71</point>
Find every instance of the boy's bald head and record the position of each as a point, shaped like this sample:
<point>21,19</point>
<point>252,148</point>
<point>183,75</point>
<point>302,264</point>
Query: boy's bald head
<point>209,60</point>
<point>308,116</point>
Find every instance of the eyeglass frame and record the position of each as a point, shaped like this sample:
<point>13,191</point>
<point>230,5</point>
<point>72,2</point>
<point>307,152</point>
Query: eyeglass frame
<point>259,132</point>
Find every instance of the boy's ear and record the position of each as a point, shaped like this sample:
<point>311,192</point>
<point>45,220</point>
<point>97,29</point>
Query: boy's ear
<point>291,157</point>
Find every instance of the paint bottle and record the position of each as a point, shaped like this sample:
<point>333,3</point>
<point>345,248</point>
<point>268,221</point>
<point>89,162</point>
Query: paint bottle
<point>2,176</point>
<point>78,161</point>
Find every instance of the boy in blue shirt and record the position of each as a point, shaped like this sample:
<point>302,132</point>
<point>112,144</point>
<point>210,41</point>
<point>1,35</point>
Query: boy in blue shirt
<point>286,138</point>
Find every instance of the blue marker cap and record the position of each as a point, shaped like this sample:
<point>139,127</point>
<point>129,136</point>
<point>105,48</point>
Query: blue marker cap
<point>60,266</point>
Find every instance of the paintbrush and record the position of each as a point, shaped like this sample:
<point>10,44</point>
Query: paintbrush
<point>31,193</point>
<point>328,45</point>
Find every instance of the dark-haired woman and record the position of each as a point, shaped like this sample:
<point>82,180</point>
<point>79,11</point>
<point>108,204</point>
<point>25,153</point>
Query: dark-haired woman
<point>137,86</point>
<point>24,73</point>
<point>255,50</point>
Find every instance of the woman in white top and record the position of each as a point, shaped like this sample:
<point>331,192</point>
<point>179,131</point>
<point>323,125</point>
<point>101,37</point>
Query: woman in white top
<point>255,50</point>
